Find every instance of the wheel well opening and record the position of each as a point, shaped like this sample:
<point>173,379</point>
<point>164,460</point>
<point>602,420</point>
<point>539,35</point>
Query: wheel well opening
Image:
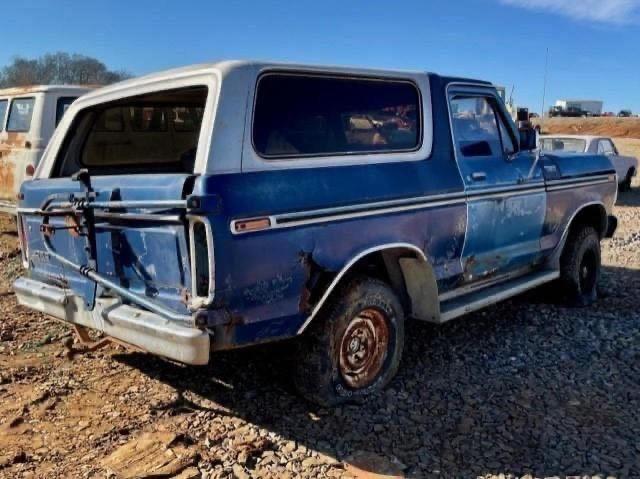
<point>592,215</point>
<point>404,270</point>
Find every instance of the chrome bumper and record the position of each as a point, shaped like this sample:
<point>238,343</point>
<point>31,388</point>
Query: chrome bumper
<point>129,324</point>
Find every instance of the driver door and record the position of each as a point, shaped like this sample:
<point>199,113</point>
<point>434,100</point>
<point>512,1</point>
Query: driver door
<point>506,208</point>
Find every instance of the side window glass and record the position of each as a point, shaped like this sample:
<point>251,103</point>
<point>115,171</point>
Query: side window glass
<point>3,112</point>
<point>611,150</point>
<point>307,115</point>
<point>62,105</point>
<point>475,127</point>
<point>507,141</point>
<point>20,114</point>
<point>605,147</point>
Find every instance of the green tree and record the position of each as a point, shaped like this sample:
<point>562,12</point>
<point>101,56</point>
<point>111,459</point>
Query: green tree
<point>59,68</point>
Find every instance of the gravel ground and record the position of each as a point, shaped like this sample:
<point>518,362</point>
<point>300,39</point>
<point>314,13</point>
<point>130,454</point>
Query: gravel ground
<point>527,388</point>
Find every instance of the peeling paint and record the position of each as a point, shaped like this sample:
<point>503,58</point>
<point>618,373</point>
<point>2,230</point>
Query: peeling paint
<point>14,158</point>
<point>268,291</point>
<point>7,179</point>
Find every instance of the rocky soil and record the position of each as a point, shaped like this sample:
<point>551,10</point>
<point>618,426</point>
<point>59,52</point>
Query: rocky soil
<point>528,388</point>
<point>606,126</point>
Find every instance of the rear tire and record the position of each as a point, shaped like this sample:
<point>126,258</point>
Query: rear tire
<point>580,267</point>
<point>353,349</point>
<point>626,183</point>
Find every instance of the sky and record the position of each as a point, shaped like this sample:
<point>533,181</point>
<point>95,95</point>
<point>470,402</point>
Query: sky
<point>594,45</point>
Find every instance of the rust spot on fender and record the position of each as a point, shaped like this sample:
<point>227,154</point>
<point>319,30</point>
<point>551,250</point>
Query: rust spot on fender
<point>11,150</point>
<point>314,283</point>
<point>15,140</point>
<point>268,291</point>
<point>7,177</point>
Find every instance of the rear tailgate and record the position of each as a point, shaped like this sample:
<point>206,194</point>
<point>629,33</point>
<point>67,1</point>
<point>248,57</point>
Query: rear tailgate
<point>142,249</point>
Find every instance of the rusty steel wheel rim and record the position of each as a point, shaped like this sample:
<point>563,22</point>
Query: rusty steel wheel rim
<point>363,348</point>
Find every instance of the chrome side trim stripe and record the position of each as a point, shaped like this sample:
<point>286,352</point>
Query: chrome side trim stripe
<point>310,217</point>
<point>505,194</point>
<point>290,220</point>
<point>579,182</point>
<point>580,179</point>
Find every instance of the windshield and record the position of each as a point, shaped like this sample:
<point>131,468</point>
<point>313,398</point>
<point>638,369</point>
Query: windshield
<point>571,145</point>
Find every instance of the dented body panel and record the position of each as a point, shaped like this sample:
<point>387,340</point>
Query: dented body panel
<point>284,234</point>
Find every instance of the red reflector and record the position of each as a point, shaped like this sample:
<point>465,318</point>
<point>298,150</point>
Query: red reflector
<point>252,225</point>
<point>30,170</point>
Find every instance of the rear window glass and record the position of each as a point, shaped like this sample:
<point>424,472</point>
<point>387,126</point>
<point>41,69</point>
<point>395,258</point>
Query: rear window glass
<point>3,112</point>
<point>20,114</point>
<point>302,115</point>
<point>62,105</point>
<point>154,133</point>
<point>571,145</point>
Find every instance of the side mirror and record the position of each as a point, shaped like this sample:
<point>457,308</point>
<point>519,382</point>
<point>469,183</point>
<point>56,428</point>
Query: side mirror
<point>528,139</point>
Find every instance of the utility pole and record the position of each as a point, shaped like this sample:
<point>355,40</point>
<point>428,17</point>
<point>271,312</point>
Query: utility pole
<point>544,89</point>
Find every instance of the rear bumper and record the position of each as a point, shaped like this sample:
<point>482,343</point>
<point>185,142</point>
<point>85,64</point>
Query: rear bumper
<point>126,323</point>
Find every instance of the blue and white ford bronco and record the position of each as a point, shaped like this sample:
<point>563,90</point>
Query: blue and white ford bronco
<point>224,205</point>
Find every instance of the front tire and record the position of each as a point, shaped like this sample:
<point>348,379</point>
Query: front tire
<point>626,183</point>
<point>353,349</point>
<point>580,267</point>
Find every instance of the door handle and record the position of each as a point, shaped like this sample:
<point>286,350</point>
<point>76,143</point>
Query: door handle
<point>479,176</point>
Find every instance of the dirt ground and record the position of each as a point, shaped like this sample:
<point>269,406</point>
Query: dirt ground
<point>616,127</point>
<point>528,387</point>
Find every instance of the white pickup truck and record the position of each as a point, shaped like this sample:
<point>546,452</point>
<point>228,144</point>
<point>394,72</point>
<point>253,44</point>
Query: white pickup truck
<point>28,118</point>
<point>626,166</point>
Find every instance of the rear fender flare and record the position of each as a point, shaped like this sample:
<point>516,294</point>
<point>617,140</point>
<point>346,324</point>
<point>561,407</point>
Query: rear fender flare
<point>419,281</point>
<point>555,258</point>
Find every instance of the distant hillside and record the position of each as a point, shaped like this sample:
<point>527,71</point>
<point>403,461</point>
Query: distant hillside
<point>615,127</point>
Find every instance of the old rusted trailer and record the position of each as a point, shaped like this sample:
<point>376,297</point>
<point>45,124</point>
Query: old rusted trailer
<point>28,118</point>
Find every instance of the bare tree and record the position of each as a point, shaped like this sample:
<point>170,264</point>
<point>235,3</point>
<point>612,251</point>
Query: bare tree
<point>59,68</point>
